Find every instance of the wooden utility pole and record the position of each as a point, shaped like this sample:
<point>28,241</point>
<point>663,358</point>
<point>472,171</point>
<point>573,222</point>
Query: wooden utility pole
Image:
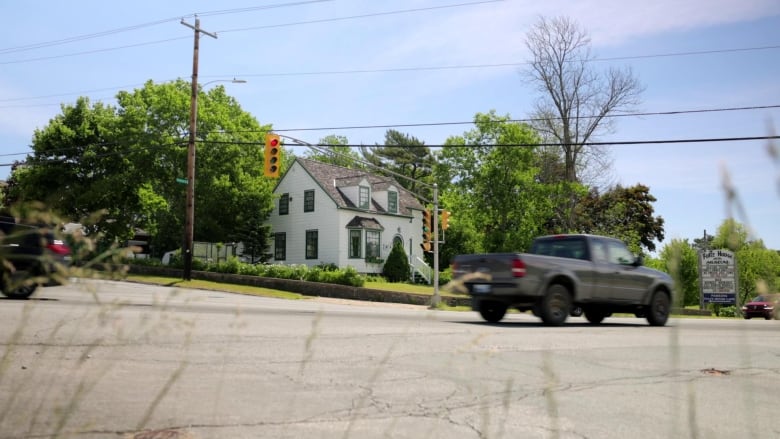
<point>189,216</point>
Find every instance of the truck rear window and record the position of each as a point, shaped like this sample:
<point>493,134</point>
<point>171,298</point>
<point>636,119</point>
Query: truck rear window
<point>563,247</point>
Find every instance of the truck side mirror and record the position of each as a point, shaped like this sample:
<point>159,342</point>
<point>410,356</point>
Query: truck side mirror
<point>639,261</point>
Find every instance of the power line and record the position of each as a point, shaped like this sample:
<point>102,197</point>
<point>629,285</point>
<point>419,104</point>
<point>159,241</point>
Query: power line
<point>381,70</point>
<point>356,17</point>
<point>89,52</point>
<point>408,125</point>
<point>56,95</point>
<point>527,120</point>
<point>226,11</point>
<point>34,46</point>
<point>503,145</point>
<point>328,20</point>
<point>629,142</point>
<point>499,65</point>
<point>605,143</point>
<point>115,88</point>
<point>689,53</point>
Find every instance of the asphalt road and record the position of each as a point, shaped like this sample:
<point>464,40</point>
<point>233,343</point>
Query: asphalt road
<point>122,360</point>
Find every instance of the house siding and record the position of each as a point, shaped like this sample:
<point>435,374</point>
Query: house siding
<point>331,216</point>
<point>324,218</point>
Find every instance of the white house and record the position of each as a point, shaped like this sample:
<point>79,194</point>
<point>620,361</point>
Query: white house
<point>330,214</point>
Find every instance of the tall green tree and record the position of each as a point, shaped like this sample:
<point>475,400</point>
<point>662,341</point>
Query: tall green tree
<point>681,260</point>
<point>492,191</point>
<point>758,267</point>
<point>338,153</point>
<point>731,235</point>
<point>81,165</point>
<point>623,212</point>
<point>759,270</point>
<point>125,160</point>
<point>405,155</point>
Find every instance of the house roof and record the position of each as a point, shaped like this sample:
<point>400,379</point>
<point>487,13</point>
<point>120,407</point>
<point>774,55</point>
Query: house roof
<point>332,178</point>
<point>365,223</point>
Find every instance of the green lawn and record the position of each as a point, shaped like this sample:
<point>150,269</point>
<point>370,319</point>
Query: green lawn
<point>214,286</point>
<point>375,284</point>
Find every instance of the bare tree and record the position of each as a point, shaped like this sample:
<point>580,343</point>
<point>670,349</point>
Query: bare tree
<point>576,100</point>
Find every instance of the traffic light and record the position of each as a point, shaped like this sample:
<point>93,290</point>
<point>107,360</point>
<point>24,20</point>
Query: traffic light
<point>427,227</point>
<point>273,151</point>
<point>445,219</point>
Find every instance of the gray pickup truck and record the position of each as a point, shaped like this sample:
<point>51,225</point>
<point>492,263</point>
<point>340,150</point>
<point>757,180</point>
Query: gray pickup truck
<point>566,275</point>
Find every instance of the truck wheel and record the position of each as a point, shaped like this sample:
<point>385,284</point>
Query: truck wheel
<point>594,316</point>
<point>491,311</point>
<point>20,292</point>
<point>556,305</point>
<point>658,310</point>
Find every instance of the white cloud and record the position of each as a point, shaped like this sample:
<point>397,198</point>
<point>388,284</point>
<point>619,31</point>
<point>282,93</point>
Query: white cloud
<point>497,30</point>
<point>614,21</point>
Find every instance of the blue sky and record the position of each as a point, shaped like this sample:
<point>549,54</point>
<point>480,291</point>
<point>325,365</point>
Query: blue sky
<point>285,52</point>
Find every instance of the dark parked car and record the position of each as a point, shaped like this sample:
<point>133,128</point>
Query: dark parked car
<point>761,306</point>
<point>29,255</point>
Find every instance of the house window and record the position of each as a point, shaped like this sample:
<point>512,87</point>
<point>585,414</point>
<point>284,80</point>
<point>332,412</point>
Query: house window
<point>363,197</point>
<point>392,202</point>
<point>284,204</point>
<point>280,246</point>
<point>311,244</point>
<point>372,244</point>
<point>355,241</point>
<point>308,201</point>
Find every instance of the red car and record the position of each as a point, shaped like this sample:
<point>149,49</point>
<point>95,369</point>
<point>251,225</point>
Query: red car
<point>761,306</point>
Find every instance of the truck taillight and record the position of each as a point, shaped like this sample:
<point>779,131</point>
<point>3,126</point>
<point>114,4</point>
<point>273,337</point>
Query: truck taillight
<point>518,267</point>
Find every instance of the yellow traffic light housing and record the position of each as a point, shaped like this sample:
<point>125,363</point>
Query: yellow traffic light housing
<point>273,150</point>
<point>445,219</point>
<point>427,227</point>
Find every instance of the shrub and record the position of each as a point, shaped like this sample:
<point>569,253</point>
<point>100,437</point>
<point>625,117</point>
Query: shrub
<point>297,272</point>
<point>231,266</point>
<point>314,274</point>
<point>396,269</point>
<point>148,262</point>
<point>327,273</point>
<point>350,276</point>
<point>328,267</point>
<point>199,265</point>
<point>250,269</point>
<point>445,276</point>
<point>728,311</point>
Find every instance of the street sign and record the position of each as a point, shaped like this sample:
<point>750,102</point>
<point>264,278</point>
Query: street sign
<point>718,274</point>
<point>181,180</point>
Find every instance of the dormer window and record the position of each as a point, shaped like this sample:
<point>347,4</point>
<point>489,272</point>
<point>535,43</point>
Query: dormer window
<point>392,202</point>
<point>364,197</point>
